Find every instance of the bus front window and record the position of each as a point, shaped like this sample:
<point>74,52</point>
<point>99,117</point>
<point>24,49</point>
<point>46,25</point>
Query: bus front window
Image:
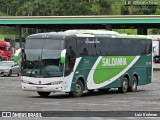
<point>2,48</point>
<point>43,58</point>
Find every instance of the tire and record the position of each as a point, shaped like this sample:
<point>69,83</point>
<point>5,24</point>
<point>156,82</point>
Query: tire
<point>44,94</point>
<point>124,86</point>
<point>10,73</point>
<point>78,89</point>
<point>134,84</point>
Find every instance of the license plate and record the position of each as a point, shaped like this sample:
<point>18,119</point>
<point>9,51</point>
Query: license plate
<point>40,88</point>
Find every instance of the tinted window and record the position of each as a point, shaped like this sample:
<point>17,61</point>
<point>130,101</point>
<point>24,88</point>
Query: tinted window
<point>159,47</point>
<point>53,44</point>
<point>34,43</point>
<point>120,47</point>
<point>71,54</point>
<point>113,46</point>
<point>138,47</point>
<point>44,43</point>
<point>87,46</point>
<point>130,47</point>
<point>2,48</point>
<point>103,48</point>
<point>149,46</point>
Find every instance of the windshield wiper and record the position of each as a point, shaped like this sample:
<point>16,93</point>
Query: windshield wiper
<point>38,62</point>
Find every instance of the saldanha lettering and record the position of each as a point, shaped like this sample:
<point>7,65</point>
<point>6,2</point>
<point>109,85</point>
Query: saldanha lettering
<point>114,61</point>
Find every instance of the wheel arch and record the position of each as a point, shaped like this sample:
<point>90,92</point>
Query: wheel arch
<point>127,76</point>
<point>81,78</point>
<point>78,91</point>
<point>10,72</point>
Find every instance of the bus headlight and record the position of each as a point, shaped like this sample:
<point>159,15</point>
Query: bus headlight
<point>56,82</point>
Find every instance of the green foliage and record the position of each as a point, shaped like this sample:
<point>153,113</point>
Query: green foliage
<point>2,14</point>
<point>155,32</point>
<point>74,7</point>
<point>6,32</point>
<point>126,31</point>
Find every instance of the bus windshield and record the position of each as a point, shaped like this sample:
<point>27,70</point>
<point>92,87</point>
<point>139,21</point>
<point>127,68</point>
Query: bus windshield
<point>2,48</point>
<point>42,57</point>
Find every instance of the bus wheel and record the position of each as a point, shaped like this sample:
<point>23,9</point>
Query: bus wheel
<point>134,84</point>
<point>78,89</point>
<point>43,94</point>
<point>124,87</point>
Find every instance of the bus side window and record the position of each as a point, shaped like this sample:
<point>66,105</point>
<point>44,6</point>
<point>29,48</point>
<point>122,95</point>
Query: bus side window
<point>70,55</point>
<point>81,47</point>
<point>86,47</point>
<point>149,47</point>
<point>103,48</point>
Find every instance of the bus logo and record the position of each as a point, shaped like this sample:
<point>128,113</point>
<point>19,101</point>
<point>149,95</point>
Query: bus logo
<point>114,61</point>
<point>92,41</point>
<point>39,82</point>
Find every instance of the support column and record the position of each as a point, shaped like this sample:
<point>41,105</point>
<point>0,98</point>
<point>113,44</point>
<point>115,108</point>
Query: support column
<point>142,31</point>
<point>108,27</point>
<point>18,34</point>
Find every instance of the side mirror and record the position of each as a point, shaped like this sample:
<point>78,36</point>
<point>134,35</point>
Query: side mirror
<point>63,56</point>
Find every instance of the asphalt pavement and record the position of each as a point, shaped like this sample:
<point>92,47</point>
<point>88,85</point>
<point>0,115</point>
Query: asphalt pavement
<point>147,98</point>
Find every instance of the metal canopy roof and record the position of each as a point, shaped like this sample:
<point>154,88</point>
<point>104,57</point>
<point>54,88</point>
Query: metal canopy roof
<point>112,19</point>
<point>117,21</point>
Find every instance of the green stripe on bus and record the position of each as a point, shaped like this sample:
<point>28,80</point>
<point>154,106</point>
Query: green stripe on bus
<point>131,36</point>
<point>110,66</point>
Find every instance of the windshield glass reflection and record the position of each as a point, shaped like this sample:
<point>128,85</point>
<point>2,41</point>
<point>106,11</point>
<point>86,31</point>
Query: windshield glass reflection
<point>43,58</point>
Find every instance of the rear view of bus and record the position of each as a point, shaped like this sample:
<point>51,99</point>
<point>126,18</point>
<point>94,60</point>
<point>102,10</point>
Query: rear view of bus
<point>78,61</point>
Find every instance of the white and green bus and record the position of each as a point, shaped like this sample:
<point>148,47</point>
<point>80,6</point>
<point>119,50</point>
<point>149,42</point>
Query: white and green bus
<point>78,61</point>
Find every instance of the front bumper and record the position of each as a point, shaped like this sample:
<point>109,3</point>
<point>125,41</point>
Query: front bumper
<point>42,88</point>
<point>4,73</point>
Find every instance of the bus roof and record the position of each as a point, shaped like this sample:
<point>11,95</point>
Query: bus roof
<point>86,33</point>
<point>78,33</point>
<point>60,35</point>
<point>133,36</point>
<point>155,37</point>
<point>93,32</point>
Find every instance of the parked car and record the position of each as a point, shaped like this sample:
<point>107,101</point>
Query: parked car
<point>7,68</point>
